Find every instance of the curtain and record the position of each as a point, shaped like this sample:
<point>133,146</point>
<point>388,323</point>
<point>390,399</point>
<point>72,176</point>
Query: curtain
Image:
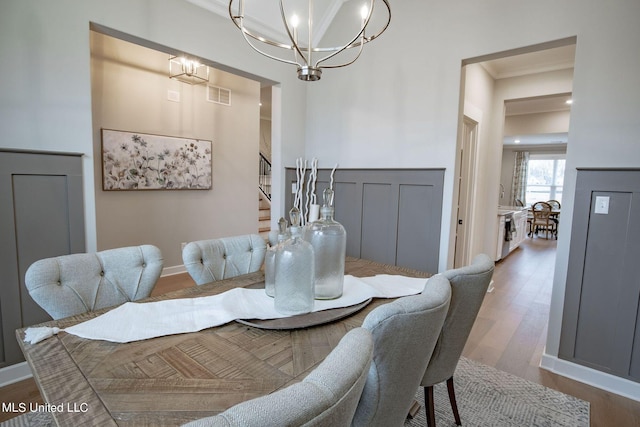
<point>519,184</point>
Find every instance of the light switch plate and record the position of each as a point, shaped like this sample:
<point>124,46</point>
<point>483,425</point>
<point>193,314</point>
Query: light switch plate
<point>602,205</point>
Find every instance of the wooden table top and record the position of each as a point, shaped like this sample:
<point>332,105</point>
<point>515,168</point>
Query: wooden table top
<point>167,381</point>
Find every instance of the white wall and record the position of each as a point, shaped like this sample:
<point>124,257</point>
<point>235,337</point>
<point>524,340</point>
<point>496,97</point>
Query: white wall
<point>531,124</point>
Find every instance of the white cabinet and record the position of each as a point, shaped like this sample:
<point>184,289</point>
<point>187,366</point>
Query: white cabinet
<point>521,229</point>
<point>500,241</point>
<point>519,217</point>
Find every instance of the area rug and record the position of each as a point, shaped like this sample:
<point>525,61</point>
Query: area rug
<point>486,397</point>
<point>489,397</point>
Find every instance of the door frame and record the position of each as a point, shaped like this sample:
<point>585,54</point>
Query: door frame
<point>465,172</point>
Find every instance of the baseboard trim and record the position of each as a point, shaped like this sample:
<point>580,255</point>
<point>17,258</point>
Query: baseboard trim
<point>14,373</point>
<point>592,377</point>
<point>170,271</point>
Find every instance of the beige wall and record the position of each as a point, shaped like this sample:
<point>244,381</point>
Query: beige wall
<point>265,138</point>
<point>129,92</point>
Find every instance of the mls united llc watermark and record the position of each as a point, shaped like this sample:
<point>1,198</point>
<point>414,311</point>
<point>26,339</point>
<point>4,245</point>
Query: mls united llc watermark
<point>22,407</point>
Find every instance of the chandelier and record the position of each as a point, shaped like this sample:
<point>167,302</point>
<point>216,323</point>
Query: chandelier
<point>188,70</point>
<point>299,46</point>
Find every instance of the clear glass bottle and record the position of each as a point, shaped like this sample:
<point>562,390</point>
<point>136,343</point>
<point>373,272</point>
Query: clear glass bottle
<point>294,267</point>
<point>329,241</point>
<point>270,259</point>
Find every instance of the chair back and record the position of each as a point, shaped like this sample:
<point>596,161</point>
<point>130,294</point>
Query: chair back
<point>216,259</point>
<point>541,211</point>
<point>72,284</point>
<point>468,287</point>
<point>327,397</point>
<point>555,205</point>
<point>405,332</point>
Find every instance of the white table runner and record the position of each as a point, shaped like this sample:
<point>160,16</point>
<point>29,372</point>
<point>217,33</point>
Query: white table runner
<point>138,321</point>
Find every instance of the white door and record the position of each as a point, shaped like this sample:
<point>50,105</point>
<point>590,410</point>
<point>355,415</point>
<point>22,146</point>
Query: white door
<point>465,191</point>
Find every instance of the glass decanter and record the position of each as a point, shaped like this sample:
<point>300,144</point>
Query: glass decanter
<point>329,241</point>
<point>294,268</point>
<point>270,259</point>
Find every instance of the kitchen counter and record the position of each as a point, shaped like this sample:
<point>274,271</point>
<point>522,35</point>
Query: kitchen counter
<point>505,210</point>
<point>505,245</point>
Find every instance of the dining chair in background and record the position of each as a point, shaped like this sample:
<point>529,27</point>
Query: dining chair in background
<point>404,332</point>
<point>542,219</point>
<point>555,214</point>
<point>327,397</point>
<point>72,284</point>
<point>468,287</point>
<point>555,205</point>
<point>216,259</point>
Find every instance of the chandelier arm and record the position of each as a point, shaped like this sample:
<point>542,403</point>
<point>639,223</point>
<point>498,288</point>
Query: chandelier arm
<point>345,47</point>
<point>238,18</point>
<point>250,43</point>
<point>354,42</point>
<point>294,43</point>
<point>360,49</point>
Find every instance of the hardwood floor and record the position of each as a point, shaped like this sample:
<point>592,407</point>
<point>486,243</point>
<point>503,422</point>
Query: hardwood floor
<point>509,334</point>
<point>511,329</point>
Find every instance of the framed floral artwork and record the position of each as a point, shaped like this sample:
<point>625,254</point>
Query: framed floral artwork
<point>139,161</point>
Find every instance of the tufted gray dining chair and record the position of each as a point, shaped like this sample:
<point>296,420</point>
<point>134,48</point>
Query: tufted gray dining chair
<point>404,333</point>
<point>72,284</point>
<point>327,397</point>
<point>468,287</point>
<point>216,259</point>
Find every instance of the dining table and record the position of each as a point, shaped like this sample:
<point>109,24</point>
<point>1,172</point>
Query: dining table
<point>170,380</point>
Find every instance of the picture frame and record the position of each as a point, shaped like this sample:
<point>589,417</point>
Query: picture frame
<point>140,161</point>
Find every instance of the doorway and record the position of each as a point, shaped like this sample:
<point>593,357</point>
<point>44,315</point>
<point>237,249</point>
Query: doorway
<point>488,83</point>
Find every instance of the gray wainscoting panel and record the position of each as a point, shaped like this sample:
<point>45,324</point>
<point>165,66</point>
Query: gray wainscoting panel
<point>415,243</point>
<point>346,194</point>
<point>600,323</point>
<point>379,219</point>
<point>390,215</point>
<point>41,215</point>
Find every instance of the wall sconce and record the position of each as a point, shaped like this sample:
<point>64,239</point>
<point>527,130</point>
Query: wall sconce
<point>188,70</point>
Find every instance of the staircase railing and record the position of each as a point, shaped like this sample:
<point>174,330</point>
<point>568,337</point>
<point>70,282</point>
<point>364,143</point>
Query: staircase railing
<point>264,176</point>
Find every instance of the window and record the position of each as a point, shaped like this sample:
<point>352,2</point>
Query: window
<point>545,177</point>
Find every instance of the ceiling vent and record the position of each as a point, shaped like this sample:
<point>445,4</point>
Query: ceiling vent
<point>219,95</point>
